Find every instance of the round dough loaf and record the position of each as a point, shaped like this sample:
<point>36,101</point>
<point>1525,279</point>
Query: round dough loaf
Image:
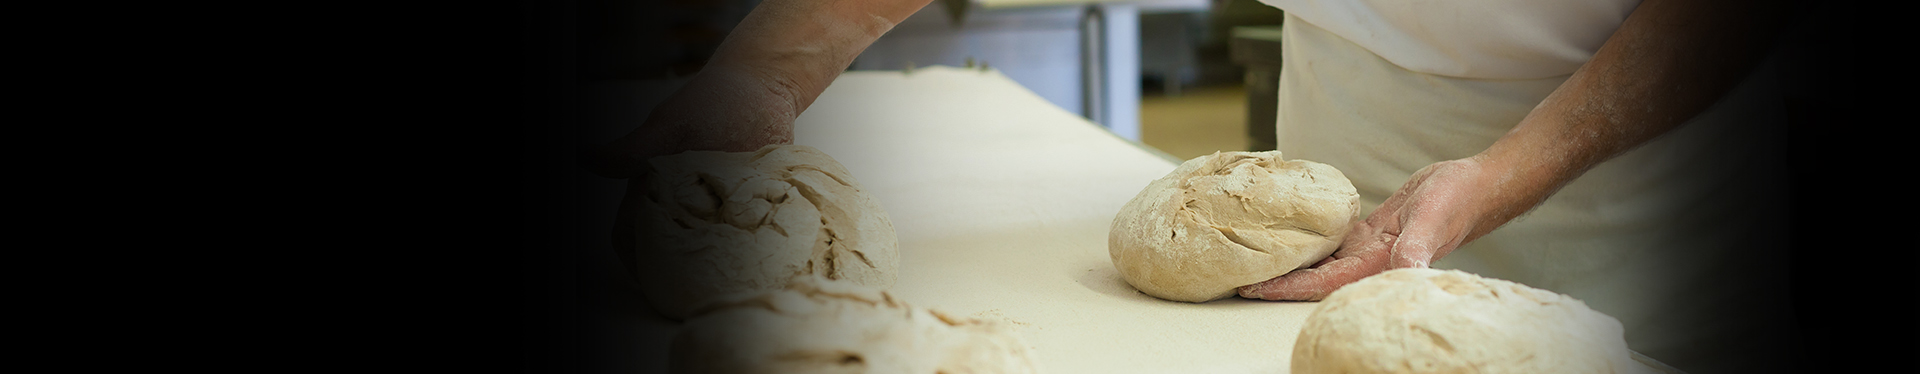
<point>1449,321</point>
<point>721,223</point>
<point>819,326</point>
<point>1227,220</point>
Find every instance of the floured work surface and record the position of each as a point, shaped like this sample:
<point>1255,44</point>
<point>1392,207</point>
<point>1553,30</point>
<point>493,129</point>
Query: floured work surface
<point>1002,203</point>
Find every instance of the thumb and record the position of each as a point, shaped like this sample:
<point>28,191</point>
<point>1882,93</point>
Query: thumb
<point>1310,284</point>
<point>1358,258</point>
<point>1414,249</point>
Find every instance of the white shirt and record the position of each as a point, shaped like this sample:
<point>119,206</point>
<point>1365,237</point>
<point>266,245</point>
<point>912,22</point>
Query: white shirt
<point>1487,39</point>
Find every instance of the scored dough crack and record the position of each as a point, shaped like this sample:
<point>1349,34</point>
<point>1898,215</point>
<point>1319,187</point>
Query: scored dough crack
<point>1436,339</point>
<point>1236,239</point>
<point>816,325</point>
<point>721,223</point>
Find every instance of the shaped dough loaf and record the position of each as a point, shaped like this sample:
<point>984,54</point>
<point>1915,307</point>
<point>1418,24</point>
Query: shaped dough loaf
<point>1227,220</point>
<point>1448,321</point>
<point>723,223</point>
<point>819,326</point>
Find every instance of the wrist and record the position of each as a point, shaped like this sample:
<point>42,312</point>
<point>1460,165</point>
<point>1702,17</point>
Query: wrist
<point>759,89</point>
<point>723,108</point>
<point>1513,183</point>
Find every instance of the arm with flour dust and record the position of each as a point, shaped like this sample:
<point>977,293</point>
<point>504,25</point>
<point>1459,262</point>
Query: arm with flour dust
<point>767,71</point>
<point>1668,61</point>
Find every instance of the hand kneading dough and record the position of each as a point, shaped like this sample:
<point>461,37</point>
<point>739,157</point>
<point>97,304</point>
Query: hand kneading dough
<point>1227,220</point>
<point>1448,321</point>
<point>819,326</point>
<point>720,223</point>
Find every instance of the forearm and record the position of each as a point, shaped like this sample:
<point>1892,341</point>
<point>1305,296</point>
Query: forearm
<point>1669,61</point>
<point>795,48</point>
<point>770,68</point>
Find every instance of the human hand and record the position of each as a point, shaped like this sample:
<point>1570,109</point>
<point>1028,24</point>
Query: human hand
<point>770,68</point>
<point>720,109</point>
<point>767,71</point>
<point>1668,62</point>
<point>1442,206</point>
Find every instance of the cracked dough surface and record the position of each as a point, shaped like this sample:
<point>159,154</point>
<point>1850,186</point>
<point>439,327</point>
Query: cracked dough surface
<point>1227,220</point>
<point>715,224</point>
<point>820,326</point>
<point>1449,321</point>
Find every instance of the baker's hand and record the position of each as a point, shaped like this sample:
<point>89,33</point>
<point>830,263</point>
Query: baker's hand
<point>1441,207</point>
<point>766,72</point>
<point>1667,62</point>
<point>730,110</point>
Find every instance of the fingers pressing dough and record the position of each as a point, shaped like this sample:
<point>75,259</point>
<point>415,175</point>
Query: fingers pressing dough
<point>715,224</point>
<point>1227,220</point>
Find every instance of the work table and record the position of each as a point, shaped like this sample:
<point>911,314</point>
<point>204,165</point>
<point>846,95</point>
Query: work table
<point>1002,204</point>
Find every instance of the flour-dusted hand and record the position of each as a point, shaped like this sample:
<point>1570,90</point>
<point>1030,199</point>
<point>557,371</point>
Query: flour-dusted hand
<point>769,69</point>
<point>722,109</point>
<point>1441,207</point>
<point>1668,61</point>
<point>1363,253</point>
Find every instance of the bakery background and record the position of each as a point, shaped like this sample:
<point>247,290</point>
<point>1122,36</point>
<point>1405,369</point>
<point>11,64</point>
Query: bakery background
<point>674,41</point>
<point>1182,76</point>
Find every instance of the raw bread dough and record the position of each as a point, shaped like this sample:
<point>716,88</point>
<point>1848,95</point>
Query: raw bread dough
<point>820,326</point>
<point>1227,220</point>
<point>720,223</point>
<point>1449,321</point>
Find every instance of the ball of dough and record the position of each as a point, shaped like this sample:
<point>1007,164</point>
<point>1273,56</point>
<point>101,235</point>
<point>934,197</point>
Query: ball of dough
<point>719,223</point>
<point>1227,220</point>
<point>819,326</point>
<point>1448,321</point>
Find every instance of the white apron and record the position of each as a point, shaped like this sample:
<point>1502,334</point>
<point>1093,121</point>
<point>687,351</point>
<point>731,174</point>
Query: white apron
<point>1653,237</point>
